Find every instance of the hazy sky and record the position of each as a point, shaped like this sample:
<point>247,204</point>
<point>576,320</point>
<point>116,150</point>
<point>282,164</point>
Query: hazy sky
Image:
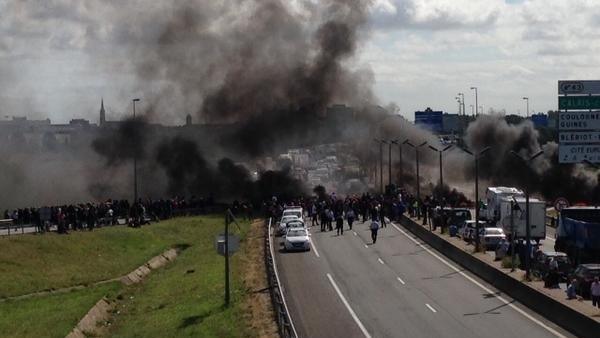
<point>55,54</point>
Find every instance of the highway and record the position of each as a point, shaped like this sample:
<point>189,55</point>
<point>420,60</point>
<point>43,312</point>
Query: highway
<point>398,287</point>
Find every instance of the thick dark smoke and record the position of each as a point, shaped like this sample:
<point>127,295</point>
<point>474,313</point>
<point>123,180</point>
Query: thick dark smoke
<point>544,175</point>
<point>123,143</point>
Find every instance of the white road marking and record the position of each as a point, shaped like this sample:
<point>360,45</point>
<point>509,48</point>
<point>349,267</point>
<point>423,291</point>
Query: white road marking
<point>380,260</point>
<point>314,248</point>
<point>431,308</point>
<point>366,246</point>
<point>400,280</point>
<point>352,313</point>
<point>502,299</point>
<point>354,232</point>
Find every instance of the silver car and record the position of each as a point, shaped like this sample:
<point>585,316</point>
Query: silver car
<point>297,239</point>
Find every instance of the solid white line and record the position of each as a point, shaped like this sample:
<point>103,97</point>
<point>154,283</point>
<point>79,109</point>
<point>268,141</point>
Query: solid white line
<point>352,313</point>
<point>525,314</point>
<point>314,248</point>
<point>400,280</point>
<point>431,308</point>
<point>281,289</point>
<point>380,260</point>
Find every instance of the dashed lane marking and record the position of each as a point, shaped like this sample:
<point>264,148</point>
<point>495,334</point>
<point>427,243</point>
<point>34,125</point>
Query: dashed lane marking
<point>431,308</point>
<point>380,260</point>
<point>400,280</point>
<point>469,278</point>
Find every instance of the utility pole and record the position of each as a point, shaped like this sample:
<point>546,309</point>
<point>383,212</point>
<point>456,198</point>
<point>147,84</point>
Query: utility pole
<point>527,163</point>
<point>400,170</point>
<point>227,259</point>
<point>527,100</point>
<point>476,101</point>
<point>477,157</point>
<point>418,178</point>
<point>381,142</point>
<point>390,163</point>
<point>135,185</point>
<point>441,168</point>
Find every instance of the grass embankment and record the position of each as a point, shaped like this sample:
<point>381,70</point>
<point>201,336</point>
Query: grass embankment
<point>52,315</point>
<point>184,298</point>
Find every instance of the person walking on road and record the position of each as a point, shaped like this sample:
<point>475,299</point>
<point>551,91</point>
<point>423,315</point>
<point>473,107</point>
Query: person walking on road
<point>374,228</point>
<point>350,217</point>
<point>595,292</point>
<point>339,223</point>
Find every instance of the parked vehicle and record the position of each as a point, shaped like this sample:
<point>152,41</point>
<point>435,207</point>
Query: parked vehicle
<point>491,237</point>
<point>541,264</point>
<point>467,229</point>
<point>297,239</point>
<point>578,234</point>
<point>456,216</point>
<point>584,275</point>
<point>537,217</point>
<point>282,226</point>
<point>493,198</point>
<point>294,211</point>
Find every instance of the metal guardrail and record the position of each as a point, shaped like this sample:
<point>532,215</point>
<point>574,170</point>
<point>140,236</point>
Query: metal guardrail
<point>282,316</point>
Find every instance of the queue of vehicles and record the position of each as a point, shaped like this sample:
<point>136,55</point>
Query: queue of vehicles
<point>292,228</point>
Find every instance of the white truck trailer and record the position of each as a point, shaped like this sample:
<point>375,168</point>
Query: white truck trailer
<point>537,217</point>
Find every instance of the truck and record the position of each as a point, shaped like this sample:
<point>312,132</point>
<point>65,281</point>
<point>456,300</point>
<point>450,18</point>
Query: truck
<point>493,199</point>
<point>537,217</point>
<point>578,234</point>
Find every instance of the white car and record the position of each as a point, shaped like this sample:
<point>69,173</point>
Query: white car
<point>491,237</point>
<point>294,211</point>
<point>297,239</point>
<point>282,227</point>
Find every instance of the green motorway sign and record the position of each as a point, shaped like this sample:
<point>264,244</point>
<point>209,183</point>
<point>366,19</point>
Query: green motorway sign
<point>578,102</point>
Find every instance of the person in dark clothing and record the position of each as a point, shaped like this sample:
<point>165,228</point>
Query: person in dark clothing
<point>339,223</point>
<point>350,217</point>
<point>374,228</point>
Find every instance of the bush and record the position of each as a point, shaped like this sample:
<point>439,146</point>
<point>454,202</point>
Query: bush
<point>507,262</point>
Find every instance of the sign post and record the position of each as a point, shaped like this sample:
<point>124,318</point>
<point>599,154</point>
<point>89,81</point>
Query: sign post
<point>579,121</point>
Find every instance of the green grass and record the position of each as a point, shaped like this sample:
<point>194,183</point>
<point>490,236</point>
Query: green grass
<point>174,302</point>
<point>31,263</point>
<point>52,315</point>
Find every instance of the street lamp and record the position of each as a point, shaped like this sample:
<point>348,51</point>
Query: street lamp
<point>477,157</point>
<point>472,109</point>
<point>476,100</point>
<point>135,185</point>
<point>381,142</point>
<point>400,164</point>
<point>441,170</point>
<point>462,95</point>
<point>407,142</point>
<point>527,163</point>
<point>459,104</point>
<point>527,99</point>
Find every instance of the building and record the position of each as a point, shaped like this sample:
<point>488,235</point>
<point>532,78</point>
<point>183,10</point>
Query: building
<point>430,120</point>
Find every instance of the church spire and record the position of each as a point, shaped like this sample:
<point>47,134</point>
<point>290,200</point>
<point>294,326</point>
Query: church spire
<point>102,113</point>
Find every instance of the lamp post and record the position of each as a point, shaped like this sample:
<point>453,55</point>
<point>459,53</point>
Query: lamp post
<point>476,100</point>
<point>135,185</point>
<point>417,163</point>
<point>462,95</point>
<point>459,104</point>
<point>477,157</point>
<point>527,99</point>
<point>472,109</point>
<point>527,162</point>
<point>400,164</point>
<point>381,142</point>
<point>390,162</point>
<point>441,169</point>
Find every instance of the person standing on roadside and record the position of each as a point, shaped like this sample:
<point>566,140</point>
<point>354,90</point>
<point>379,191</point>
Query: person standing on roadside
<point>595,292</point>
<point>374,228</point>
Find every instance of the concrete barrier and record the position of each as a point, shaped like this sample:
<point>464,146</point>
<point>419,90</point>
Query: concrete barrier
<point>558,313</point>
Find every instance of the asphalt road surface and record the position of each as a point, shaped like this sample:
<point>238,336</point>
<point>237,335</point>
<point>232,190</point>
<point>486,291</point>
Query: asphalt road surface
<point>398,287</point>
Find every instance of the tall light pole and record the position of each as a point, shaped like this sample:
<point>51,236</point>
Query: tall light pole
<point>441,168</point>
<point>472,109</point>
<point>381,142</point>
<point>462,95</point>
<point>407,142</point>
<point>459,104</point>
<point>477,157</point>
<point>527,99</point>
<point>135,185</point>
<point>400,164</point>
<point>476,101</point>
<point>390,162</point>
<point>527,163</point>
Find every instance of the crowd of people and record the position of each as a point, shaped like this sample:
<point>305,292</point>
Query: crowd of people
<point>89,215</point>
